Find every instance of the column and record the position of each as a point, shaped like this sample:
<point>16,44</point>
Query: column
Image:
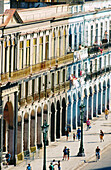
<point>35,142</point>
<point>29,130</point>
<point>49,122</point>
<point>99,32</point>
<point>101,97</point>
<point>24,52</point>
<point>22,131</point>
<point>15,125</point>
<point>55,122</point>
<point>1,128</point>
<point>38,56</point>
<point>31,50</point>
<point>94,31</point>
<point>73,38</point>
<point>89,32</point>
<point>71,110</point>
<point>12,54</point>
<point>1,56</point>
<point>97,101</point>
<point>44,41</point>
<point>50,44</point>
<point>67,37</point>
<point>77,46</point>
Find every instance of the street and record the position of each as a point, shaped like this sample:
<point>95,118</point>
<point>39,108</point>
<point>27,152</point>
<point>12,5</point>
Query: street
<point>103,164</point>
<point>91,141</point>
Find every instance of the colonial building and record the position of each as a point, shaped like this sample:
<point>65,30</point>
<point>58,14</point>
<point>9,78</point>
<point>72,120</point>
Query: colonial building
<point>51,58</point>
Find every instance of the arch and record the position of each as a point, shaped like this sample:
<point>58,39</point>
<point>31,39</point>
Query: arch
<point>90,104</point>
<point>95,101</point>
<point>32,129</point>
<point>8,129</point>
<point>19,134</point>
<point>45,113</point>
<point>78,108</point>
<point>52,122</point>
<point>104,97</point>
<point>63,116</point>
<point>108,93</point>
<point>85,103</point>
<point>39,122</point>
<point>58,120</point>
<point>26,129</point>
<point>99,99</point>
<point>69,113</point>
<point>74,112</point>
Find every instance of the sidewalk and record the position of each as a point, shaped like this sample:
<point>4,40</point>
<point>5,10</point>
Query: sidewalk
<point>91,141</point>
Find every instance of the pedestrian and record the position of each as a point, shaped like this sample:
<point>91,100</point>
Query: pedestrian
<point>8,157</point>
<point>106,113</point>
<point>51,167</point>
<point>97,153</point>
<point>88,123</point>
<point>53,163</point>
<point>67,133</point>
<point>65,153</point>
<point>101,136</point>
<point>73,136</point>
<point>29,167</point>
<point>78,133</point>
<point>59,166</point>
<point>68,153</point>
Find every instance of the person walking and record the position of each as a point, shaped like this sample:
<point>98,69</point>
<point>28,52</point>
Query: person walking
<point>51,167</point>
<point>73,136</point>
<point>78,133</point>
<point>106,113</point>
<point>53,163</point>
<point>65,153</point>
<point>97,153</point>
<point>101,136</point>
<point>68,153</point>
<point>29,167</point>
<point>88,123</point>
<point>8,157</point>
<point>59,166</point>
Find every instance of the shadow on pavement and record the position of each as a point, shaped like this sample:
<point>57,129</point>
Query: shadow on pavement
<point>91,161</point>
<point>105,168</point>
<point>92,142</point>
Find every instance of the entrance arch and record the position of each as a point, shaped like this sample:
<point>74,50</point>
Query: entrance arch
<point>32,129</point>
<point>78,109</point>
<point>74,112</point>
<point>58,120</point>
<point>95,101</point>
<point>104,97</point>
<point>26,129</point>
<point>52,123</point>
<point>69,114</point>
<point>99,99</point>
<point>39,122</point>
<point>108,93</point>
<point>90,104</point>
<point>63,116</point>
<point>85,103</point>
<point>19,134</point>
<point>8,129</point>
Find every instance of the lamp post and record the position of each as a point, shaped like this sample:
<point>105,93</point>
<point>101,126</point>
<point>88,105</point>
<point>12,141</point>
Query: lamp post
<point>81,149</point>
<point>44,130</point>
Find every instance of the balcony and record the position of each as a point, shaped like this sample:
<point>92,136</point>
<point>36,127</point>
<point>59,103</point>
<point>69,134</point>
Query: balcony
<point>23,73</point>
<point>22,102</point>
<point>29,99</point>
<point>57,89</point>
<point>80,54</point>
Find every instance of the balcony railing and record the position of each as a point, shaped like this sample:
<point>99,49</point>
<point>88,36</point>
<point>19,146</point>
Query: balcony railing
<point>19,74</point>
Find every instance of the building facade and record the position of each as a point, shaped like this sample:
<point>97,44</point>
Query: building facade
<point>49,62</point>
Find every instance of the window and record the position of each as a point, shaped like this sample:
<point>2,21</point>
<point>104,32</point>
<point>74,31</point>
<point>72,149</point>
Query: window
<point>64,42</point>
<point>95,64</point>
<point>75,38</point>
<point>58,77</point>
<point>26,90</point>
<point>79,69</point>
<point>74,71</point>
<point>90,66</point>
<point>28,53</point>
<point>80,34</point>
<point>34,50</point>
<point>47,48</point>
<point>41,49</point>
<point>85,67</point>
<point>91,35</point>
<point>10,52</point>
<point>86,36</point>
<point>53,45</point>
<point>70,38</point>
<point>100,63</point>
<point>101,33</point>
<point>19,95</point>
<point>52,82</point>
<point>59,44</point>
<point>96,37</point>
<point>64,75</point>
<point>21,52</point>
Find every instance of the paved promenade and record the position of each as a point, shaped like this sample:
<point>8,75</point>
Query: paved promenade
<point>91,141</point>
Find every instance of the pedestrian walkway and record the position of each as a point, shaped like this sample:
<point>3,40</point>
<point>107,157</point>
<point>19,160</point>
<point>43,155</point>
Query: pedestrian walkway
<point>91,141</point>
